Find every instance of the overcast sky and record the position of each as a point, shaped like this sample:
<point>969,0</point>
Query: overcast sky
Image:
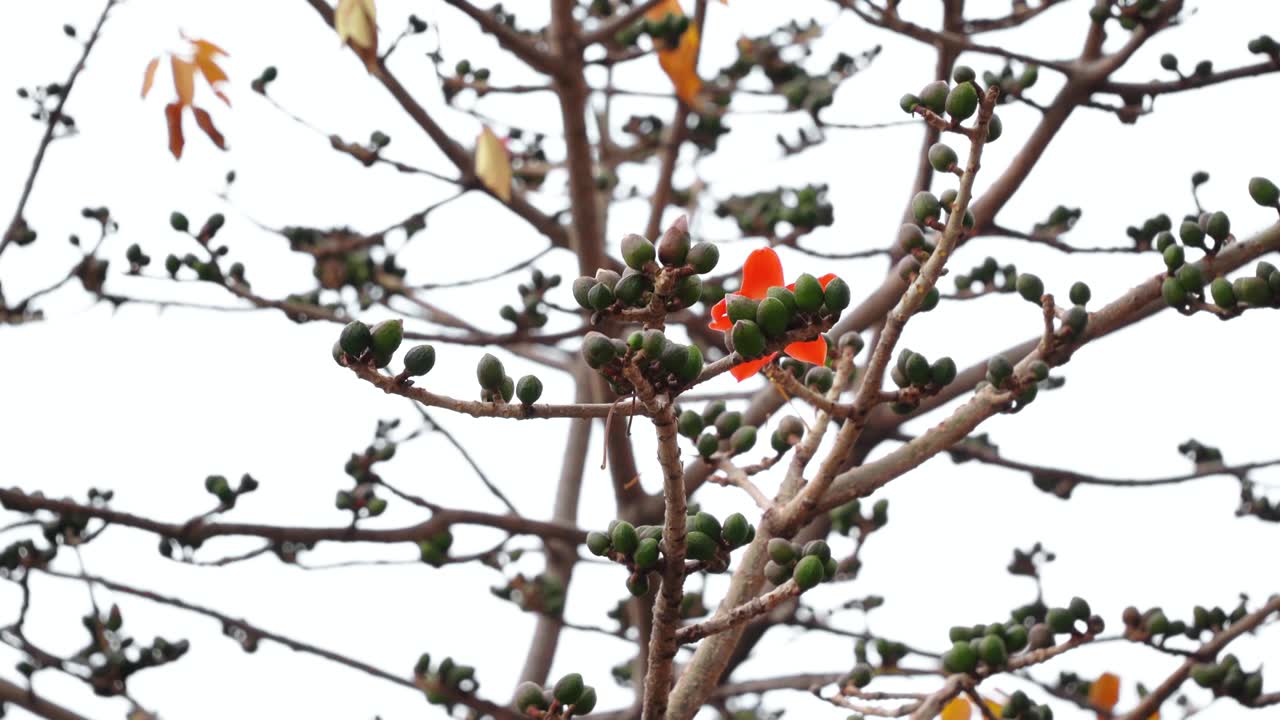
<point>149,403</point>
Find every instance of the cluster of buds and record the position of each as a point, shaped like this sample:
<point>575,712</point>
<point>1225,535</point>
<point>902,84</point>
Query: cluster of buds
<point>807,564</point>
<point>569,697</point>
<point>640,548</point>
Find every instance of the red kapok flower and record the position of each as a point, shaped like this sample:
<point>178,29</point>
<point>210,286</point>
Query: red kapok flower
<point>762,271</point>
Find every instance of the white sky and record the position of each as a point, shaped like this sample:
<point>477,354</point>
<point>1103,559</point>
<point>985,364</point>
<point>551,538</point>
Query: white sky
<point>149,403</point>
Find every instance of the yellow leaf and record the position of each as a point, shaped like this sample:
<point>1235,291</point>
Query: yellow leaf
<point>356,23</point>
<point>1105,691</point>
<point>957,709</point>
<point>184,80</point>
<point>205,57</point>
<point>493,164</point>
<point>149,75</point>
<point>681,62</point>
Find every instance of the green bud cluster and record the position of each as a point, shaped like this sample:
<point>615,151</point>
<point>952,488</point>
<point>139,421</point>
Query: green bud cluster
<point>990,275</point>
<point>1155,232</point>
<point>1020,707</point>
<point>531,312</point>
<point>914,371</point>
<point>788,434</point>
<point>360,343</point>
<point>544,594</point>
<point>449,679</point>
<point>641,550</point>
<point>666,364</point>
<point>1264,45</point>
<point>665,31</point>
<point>218,486</point>
<point>670,270</point>
<point>808,565</point>
<point>434,550</point>
<point>1226,677</point>
<point>495,384</point>
<point>959,103</point>
<point>848,517</point>
<point>569,697</point>
<point>759,326</point>
<point>759,214</point>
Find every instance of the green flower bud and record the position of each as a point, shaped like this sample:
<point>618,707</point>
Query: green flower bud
<point>1208,675</point>
<point>910,237</point>
<point>598,543</point>
<point>728,423</point>
<point>861,675</point>
<point>934,96</point>
<point>489,372</point>
<point>692,367</point>
<point>1252,291</point>
<point>508,388</point>
<point>706,523</point>
<point>581,291</point>
<point>995,128</point>
<point>993,651</point>
<point>600,296</point>
<point>781,551</point>
<point>637,251</point>
<point>674,356</point>
<point>942,157</point>
<point>748,341</point>
<point>1039,370</point>
<point>1191,233</point>
<point>700,545</point>
<point>743,439</point>
<point>836,296</point>
<point>586,702</point>
<point>631,289</point>
<point>597,350</point>
<point>1219,226</point>
<point>646,555</point>
<point>962,101</point>
<point>638,584</point>
<point>419,360</point>
<point>772,317</point>
<point>1080,294</point>
<point>931,300</point>
<point>703,257</point>
<point>1264,192</point>
<point>908,103</point>
<point>820,378</point>
<point>998,370</point>
<point>623,538</point>
<point>1060,620</point>
<point>1030,287</point>
<point>1223,295</point>
<point>942,371</point>
<point>776,573</point>
<point>808,293</point>
<point>736,530</point>
<point>963,74</point>
<point>529,696</point>
<point>1190,278</point>
<point>817,548</point>
<point>925,207</point>
<point>851,340</point>
<point>917,369</point>
<point>689,424</point>
<point>1169,62</point>
<point>809,572</point>
<point>1174,294</point>
<point>654,343</point>
<point>1015,637</point>
<point>1079,608</point>
<point>385,337</point>
<point>708,444</point>
<point>961,658</point>
<point>529,389</point>
<point>355,338</point>
<point>178,221</point>
<point>376,506</point>
<point>1076,319</point>
<point>1264,270</point>
<point>673,246</point>
<point>740,307</point>
<point>688,290</point>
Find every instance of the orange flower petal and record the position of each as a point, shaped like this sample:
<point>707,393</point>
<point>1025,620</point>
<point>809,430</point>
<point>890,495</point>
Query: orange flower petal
<point>720,316</point>
<point>751,367</point>
<point>812,351</point>
<point>761,271</point>
<point>826,279</point>
<point>1105,691</point>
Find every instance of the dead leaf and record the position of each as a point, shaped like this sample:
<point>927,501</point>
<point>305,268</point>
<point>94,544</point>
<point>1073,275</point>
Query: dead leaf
<point>957,709</point>
<point>206,124</point>
<point>184,80</point>
<point>680,63</point>
<point>149,76</point>
<point>357,24</point>
<point>493,164</point>
<point>173,114</point>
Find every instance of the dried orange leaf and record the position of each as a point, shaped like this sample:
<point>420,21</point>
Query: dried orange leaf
<point>205,122</point>
<point>184,80</point>
<point>1105,691</point>
<point>149,76</point>
<point>957,709</point>
<point>679,63</point>
<point>996,708</point>
<point>356,23</point>
<point>493,164</point>
<point>173,114</point>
